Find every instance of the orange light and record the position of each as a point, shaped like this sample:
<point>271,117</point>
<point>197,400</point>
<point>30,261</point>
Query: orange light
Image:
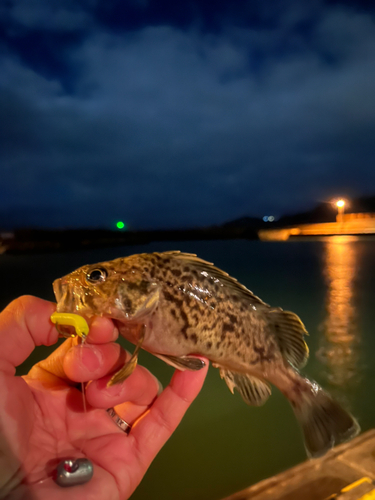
<point>340,203</point>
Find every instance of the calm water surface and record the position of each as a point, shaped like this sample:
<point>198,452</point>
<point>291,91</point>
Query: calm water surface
<point>223,445</point>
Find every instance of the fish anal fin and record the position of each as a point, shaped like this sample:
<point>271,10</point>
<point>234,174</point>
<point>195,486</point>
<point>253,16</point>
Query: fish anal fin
<point>228,377</point>
<point>253,391</point>
<point>289,332</point>
<point>182,363</point>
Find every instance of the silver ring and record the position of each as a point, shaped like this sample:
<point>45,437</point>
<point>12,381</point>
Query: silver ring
<point>124,426</point>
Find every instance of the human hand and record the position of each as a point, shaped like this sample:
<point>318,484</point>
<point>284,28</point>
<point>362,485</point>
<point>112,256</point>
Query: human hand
<point>42,420</point>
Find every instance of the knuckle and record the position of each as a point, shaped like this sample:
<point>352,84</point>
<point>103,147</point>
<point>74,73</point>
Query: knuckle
<point>163,421</point>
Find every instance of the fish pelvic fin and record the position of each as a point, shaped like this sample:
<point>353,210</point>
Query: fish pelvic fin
<point>182,363</point>
<point>289,332</point>
<point>324,422</point>
<point>253,391</point>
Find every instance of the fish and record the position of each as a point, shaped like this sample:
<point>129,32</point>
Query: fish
<point>178,306</point>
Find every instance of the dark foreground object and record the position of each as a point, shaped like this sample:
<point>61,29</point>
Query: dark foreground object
<point>324,478</point>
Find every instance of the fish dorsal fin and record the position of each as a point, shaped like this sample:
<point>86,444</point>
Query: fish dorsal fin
<point>289,331</point>
<point>253,391</point>
<point>214,273</point>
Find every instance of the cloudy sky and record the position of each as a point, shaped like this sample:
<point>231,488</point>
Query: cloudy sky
<point>175,114</point>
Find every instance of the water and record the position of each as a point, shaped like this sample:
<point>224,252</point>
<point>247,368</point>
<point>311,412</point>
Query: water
<point>223,445</point>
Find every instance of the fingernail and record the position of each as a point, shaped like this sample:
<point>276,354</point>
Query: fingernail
<point>91,357</point>
<point>160,385</point>
<point>113,390</point>
<point>161,388</point>
<point>98,321</point>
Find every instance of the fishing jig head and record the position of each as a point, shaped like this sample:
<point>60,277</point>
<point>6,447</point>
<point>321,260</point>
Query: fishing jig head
<point>68,319</point>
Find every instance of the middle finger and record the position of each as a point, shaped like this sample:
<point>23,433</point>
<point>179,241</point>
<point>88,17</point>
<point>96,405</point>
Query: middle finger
<point>140,389</point>
<point>86,362</point>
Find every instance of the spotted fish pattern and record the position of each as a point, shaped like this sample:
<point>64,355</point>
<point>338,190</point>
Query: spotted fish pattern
<point>176,305</point>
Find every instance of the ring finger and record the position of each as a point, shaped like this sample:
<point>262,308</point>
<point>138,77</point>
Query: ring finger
<point>130,399</point>
<point>127,414</point>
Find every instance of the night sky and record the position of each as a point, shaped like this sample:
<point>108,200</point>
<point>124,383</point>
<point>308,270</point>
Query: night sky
<point>166,113</point>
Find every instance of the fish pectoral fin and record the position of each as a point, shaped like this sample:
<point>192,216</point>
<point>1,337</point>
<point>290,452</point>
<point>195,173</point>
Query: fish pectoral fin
<point>148,306</point>
<point>289,331</point>
<point>124,372</point>
<point>253,391</point>
<point>182,363</point>
<point>128,367</point>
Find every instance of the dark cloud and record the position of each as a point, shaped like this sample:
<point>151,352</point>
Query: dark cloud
<point>171,126</point>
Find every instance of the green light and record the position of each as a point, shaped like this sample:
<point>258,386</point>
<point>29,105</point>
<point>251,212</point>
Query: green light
<point>120,225</point>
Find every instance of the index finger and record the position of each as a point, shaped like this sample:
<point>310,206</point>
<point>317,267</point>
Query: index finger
<point>102,330</point>
<point>24,324</point>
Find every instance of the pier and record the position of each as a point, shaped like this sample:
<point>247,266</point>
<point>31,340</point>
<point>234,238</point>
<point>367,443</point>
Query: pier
<point>346,224</point>
<point>345,473</point>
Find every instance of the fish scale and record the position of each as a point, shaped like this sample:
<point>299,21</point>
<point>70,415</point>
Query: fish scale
<point>176,305</point>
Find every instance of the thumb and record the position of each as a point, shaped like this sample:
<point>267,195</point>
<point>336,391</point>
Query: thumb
<point>24,324</point>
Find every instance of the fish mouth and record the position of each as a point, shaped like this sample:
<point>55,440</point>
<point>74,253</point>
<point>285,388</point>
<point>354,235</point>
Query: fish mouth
<point>70,299</point>
<point>58,290</point>
<point>74,298</point>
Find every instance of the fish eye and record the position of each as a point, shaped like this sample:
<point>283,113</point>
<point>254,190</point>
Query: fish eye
<point>97,275</point>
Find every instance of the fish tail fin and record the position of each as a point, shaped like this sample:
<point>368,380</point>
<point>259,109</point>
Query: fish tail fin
<point>324,422</point>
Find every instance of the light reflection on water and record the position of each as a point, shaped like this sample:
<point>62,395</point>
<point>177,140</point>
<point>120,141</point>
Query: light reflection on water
<point>340,340</point>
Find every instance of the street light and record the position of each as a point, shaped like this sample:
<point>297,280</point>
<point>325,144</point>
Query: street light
<point>340,204</point>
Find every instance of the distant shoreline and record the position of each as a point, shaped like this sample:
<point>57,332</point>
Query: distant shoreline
<point>41,241</point>
<point>72,240</point>
<point>316,223</point>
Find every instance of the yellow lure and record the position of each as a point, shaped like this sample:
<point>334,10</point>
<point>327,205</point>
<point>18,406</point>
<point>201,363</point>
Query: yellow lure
<point>78,322</point>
